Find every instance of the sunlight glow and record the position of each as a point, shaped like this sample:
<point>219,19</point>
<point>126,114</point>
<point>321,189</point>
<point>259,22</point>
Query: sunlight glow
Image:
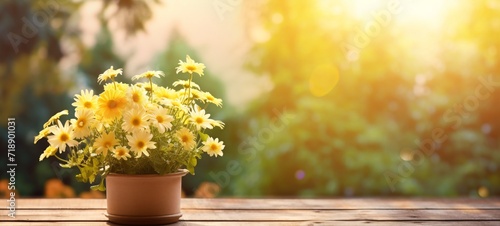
<point>323,79</point>
<point>363,9</point>
<point>425,12</point>
<point>422,12</point>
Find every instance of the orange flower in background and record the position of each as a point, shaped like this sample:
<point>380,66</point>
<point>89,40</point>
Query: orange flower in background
<point>207,190</point>
<point>4,189</point>
<point>54,188</point>
<point>92,195</point>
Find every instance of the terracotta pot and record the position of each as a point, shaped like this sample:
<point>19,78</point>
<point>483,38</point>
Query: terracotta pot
<point>144,199</point>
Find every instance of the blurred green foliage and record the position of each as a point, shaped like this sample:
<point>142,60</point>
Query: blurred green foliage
<point>392,94</point>
<point>33,87</point>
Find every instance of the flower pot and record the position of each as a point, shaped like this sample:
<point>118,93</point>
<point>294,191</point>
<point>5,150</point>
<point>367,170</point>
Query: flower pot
<point>144,199</point>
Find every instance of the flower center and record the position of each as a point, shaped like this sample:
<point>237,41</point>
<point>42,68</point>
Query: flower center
<point>112,104</point>
<point>81,122</point>
<point>191,67</point>
<point>64,137</point>
<point>199,120</point>
<point>213,147</point>
<point>121,152</point>
<point>107,144</point>
<point>136,122</point>
<point>87,104</point>
<point>140,144</point>
<point>184,138</point>
<point>135,97</point>
<point>159,119</point>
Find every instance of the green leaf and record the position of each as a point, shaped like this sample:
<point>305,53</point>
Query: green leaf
<point>65,165</point>
<point>92,177</point>
<point>99,187</point>
<point>79,178</point>
<point>83,174</point>
<point>191,164</point>
<point>203,136</point>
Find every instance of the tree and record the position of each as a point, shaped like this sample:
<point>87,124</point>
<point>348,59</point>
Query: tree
<point>367,135</point>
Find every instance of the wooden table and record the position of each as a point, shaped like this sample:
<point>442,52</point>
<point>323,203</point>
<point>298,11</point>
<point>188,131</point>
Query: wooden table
<point>358,211</point>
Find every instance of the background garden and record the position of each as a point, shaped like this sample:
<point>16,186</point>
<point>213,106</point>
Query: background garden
<point>321,98</point>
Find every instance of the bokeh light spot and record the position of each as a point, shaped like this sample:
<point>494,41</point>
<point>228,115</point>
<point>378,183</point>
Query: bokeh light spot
<point>483,192</point>
<point>300,174</point>
<point>406,154</point>
<point>486,128</point>
<point>277,18</point>
<point>323,79</point>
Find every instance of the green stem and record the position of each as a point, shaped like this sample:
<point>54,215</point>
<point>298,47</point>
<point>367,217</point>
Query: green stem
<point>61,159</point>
<point>151,92</point>
<point>189,84</point>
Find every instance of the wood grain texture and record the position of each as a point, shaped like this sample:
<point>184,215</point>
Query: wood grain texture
<point>325,204</point>
<point>273,215</point>
<point>358,211</point>
<point>264,223</point>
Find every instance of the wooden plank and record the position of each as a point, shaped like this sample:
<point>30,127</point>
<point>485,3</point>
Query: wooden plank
<point>313,215</point>
<point>22,204</point>
<point>283,223</point>
<point>294,204</point>
<point>341,204</point>
<point>407,223</point>
<point>272,215</point>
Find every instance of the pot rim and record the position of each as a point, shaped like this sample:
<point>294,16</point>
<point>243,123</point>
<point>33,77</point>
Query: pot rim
<point>181,172</point>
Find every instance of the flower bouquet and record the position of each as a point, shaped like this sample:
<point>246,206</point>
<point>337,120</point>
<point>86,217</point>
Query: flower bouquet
<point>135,129</point>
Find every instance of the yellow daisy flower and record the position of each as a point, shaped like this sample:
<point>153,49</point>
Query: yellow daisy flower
<point>111,104</point>
<point>139,142</point>
<point>86,100</point>
<point>219,124</point>
<point>210,98</point>
<point>109,74</point>
<point>134,120</point>
<point>105,143</point>
<point>186,138</point>
<point>149,75</point>
<point>168,93</point>
<point>186,84</point>
<point>49,151</point>
<point>196,94</point>
<point>147,86</point>
<point>161,119</point>
<point>55,118</point>
<point>116,86</point>
<point>121,152</point>
<point>177,104</point>
<point>200,119</point>
<point>137,95</point>
<point>213,147</point>
<point>82,123</point>
<point>190,66</point>
<point>63,135</point>
<point>42,134</point>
